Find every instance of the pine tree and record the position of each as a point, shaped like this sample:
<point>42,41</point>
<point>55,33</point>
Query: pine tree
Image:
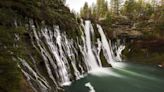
<point>115,6</point>
<point>102,8</point>
<point>85,11</point>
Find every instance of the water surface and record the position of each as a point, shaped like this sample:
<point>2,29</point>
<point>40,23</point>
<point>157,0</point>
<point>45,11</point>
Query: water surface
<point>124,77</point>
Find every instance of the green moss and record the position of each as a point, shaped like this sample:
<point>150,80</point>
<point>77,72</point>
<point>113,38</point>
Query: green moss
<point>9,75</point>
<point>9,72</point>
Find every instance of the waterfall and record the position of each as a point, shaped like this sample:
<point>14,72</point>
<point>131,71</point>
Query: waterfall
<point>119,52</point>
<point>91,59</point>
<point>58,53</point>
<point>108,50</point>
<point>32,75</point>
<point>65,59</point>
<point>118,47</point>
<point>106,46</point>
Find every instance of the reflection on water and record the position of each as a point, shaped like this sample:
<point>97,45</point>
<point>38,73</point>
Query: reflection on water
<point>105,72</point>
<point>90,87</point>
<point>124,77</point>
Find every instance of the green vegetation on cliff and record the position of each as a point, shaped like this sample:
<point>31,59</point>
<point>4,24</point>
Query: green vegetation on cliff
<point>15,41</point>
<point>146,17</point>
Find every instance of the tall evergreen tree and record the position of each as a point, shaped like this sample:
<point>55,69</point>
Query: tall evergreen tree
<point>102,8</point>
<point>129,8</point>
<point>115,6</point>
<point>85,11</point>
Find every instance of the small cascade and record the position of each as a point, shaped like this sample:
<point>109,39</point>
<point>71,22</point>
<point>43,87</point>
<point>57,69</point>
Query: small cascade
<point>119,52</point>
<point>118,47</point>
<point>106,46</point>
<point>33,75</point>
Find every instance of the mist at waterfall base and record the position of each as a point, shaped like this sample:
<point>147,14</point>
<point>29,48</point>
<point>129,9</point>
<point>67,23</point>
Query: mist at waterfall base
<point>78,66</point>
<point>125,77</point>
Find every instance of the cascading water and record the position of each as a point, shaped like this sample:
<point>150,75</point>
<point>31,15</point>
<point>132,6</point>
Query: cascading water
<point>58,53</point>
<point>108,50</point>
<point>91,59</point>
<point>106,46</point>
<point>61,56</point>
<point>119,52</point>
<point>32,75</point>
<point>118,46</point>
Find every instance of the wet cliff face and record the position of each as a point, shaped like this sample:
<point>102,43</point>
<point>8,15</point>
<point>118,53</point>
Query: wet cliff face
<point>149,51</point>
<point>16,36</point>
